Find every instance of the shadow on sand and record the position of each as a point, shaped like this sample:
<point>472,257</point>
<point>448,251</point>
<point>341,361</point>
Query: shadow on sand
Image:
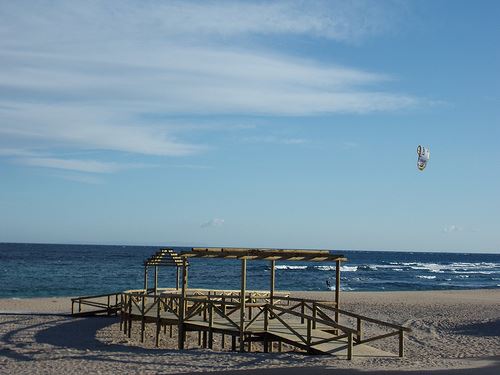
<point>80,334</point>
<point>493,369</point>
<point>480,329</point>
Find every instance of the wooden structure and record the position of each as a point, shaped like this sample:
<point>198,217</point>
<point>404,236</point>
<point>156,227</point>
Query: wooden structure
<point>162,258</point>
<point>248,316</point>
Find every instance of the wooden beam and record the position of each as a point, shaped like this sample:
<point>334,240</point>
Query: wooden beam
<point>146,278</point>
<point>264,253</point>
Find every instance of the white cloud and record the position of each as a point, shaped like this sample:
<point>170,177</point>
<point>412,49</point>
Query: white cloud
<point>89,166</point>
<point>338,20</point>
<point>90,76</point>
<point>452,228</point>
<point>212,223</point>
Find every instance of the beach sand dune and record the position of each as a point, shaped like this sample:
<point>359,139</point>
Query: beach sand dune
<point>453,332</point>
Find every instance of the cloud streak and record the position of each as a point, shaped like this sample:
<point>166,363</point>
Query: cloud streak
<point>90,76</point>
<point>212,223</point>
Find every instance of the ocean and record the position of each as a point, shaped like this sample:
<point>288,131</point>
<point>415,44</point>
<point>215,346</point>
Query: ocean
<point>43,270</point>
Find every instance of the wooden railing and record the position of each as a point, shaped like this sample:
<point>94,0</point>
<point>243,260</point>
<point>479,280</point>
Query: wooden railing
<point>108,304</point>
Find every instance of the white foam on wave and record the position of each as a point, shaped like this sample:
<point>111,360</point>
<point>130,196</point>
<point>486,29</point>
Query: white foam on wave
<point>326,268</point>
<point>426,277</point>
<point>476,265</point>
<point>342,268</point>
<point>348,268</point>
<point>285,267</point>
<point>432,267</point>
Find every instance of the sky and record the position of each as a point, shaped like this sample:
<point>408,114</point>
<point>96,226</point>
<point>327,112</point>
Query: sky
<point>289,124</point>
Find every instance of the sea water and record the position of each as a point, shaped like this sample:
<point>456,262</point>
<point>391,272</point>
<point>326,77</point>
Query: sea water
<point>42,270</point>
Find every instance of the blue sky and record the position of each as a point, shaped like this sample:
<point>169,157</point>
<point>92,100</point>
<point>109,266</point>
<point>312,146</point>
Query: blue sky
<point>277,124</point>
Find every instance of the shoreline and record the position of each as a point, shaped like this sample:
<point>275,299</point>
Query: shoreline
<point>457,332</point>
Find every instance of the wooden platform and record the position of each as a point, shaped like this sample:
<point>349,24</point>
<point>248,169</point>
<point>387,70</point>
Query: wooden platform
<point>319,341</point>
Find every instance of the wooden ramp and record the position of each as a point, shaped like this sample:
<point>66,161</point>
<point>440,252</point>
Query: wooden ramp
<point>338,347</point>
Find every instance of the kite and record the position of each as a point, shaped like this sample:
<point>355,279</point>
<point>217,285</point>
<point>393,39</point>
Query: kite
<point>424,154</point>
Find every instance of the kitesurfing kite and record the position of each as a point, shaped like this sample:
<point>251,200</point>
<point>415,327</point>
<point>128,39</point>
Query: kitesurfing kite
<point>424,154</point>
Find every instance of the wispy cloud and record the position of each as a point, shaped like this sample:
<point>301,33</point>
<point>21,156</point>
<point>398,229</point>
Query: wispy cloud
<point>274,139</point>
<point>89,166</point>
<point>212,223</point>
<point>333,19</point>
<point>81,178</point>
<point>452,228</point>
<point>90,76</point>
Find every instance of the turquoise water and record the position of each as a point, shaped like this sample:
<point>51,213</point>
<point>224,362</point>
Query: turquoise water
<point>41,270</point>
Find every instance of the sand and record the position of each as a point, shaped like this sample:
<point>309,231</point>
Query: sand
<point>453,332</point>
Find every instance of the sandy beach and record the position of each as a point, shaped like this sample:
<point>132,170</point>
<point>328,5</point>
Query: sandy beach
<point>453,332</point>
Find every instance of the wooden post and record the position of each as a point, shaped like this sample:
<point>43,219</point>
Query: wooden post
<point>401,343</point>
<point>177,281</point>
<point>130,315</point>
<point>271,292</point>
<point>266,327</point>
<point>358,328</point>
<point>205,314</point>
<point>337,290</point>
<point>223,342</point>
<point>302,312</point>
<point>233,343</point>
<point>121,312</point>
<point>158,321</point>
<point>242,303</point>
<point>349,345</point>
<point>143,317</point>
<point>309,333</point>
<point>156,281</point>
<point>182,308</point>
<point>314,315</point>
<point>146,278</point>
<point>210,325</point>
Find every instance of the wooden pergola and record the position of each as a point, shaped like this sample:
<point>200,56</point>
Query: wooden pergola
<point>162,258</point>
<point>244,254</point>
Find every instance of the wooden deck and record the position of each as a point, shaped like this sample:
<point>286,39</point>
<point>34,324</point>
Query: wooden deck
<point>301,323</point>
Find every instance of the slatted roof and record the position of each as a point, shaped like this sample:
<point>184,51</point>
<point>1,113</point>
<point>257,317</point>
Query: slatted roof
<point>263,254</point>
<point>164,257</point>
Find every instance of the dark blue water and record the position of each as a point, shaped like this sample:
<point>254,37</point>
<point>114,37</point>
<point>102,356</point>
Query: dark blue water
<point>28,270</point>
